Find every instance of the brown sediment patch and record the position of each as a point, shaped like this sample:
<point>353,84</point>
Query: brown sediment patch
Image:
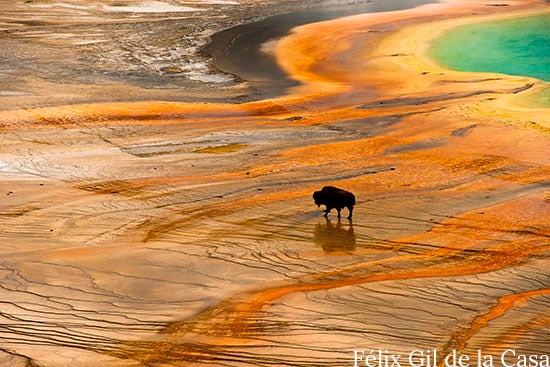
<point>115,113</point>
<point>219,149</point>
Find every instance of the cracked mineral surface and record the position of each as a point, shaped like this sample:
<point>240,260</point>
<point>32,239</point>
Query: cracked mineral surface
<point>157,211</point>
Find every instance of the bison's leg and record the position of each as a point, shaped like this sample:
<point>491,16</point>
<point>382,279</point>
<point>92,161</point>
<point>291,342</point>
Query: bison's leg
<point>327,210</point>
<point>350,208</point>
<point>339,209</point>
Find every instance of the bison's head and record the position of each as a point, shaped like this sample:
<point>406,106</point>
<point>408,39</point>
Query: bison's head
<point>318,198</point>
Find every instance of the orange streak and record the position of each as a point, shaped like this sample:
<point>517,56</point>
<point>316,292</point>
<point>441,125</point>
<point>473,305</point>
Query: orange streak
<point>505,303</point>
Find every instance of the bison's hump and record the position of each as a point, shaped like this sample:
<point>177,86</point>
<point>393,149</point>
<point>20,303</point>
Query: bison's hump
<point>334,190</point>
<point>331,192</point>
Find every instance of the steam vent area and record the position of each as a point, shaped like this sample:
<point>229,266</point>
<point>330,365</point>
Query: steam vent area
<point>158,161</point>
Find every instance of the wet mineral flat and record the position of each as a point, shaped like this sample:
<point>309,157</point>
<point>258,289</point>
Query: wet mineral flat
<point>144,223</point>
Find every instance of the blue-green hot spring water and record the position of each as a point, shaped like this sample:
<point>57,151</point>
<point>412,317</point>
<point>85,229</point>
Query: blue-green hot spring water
<point>516,46</point>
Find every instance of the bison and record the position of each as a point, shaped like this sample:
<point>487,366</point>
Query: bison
<point>334,198</point>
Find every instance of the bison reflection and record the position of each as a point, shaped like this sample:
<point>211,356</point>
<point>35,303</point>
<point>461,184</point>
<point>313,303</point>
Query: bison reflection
<point>334,198</point>
<point>333,238</point>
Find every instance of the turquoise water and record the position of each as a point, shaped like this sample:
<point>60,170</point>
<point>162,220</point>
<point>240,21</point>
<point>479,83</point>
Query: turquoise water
<point>519,46</point>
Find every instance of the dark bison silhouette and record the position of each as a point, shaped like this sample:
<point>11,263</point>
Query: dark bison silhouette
<point>334,198</point>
